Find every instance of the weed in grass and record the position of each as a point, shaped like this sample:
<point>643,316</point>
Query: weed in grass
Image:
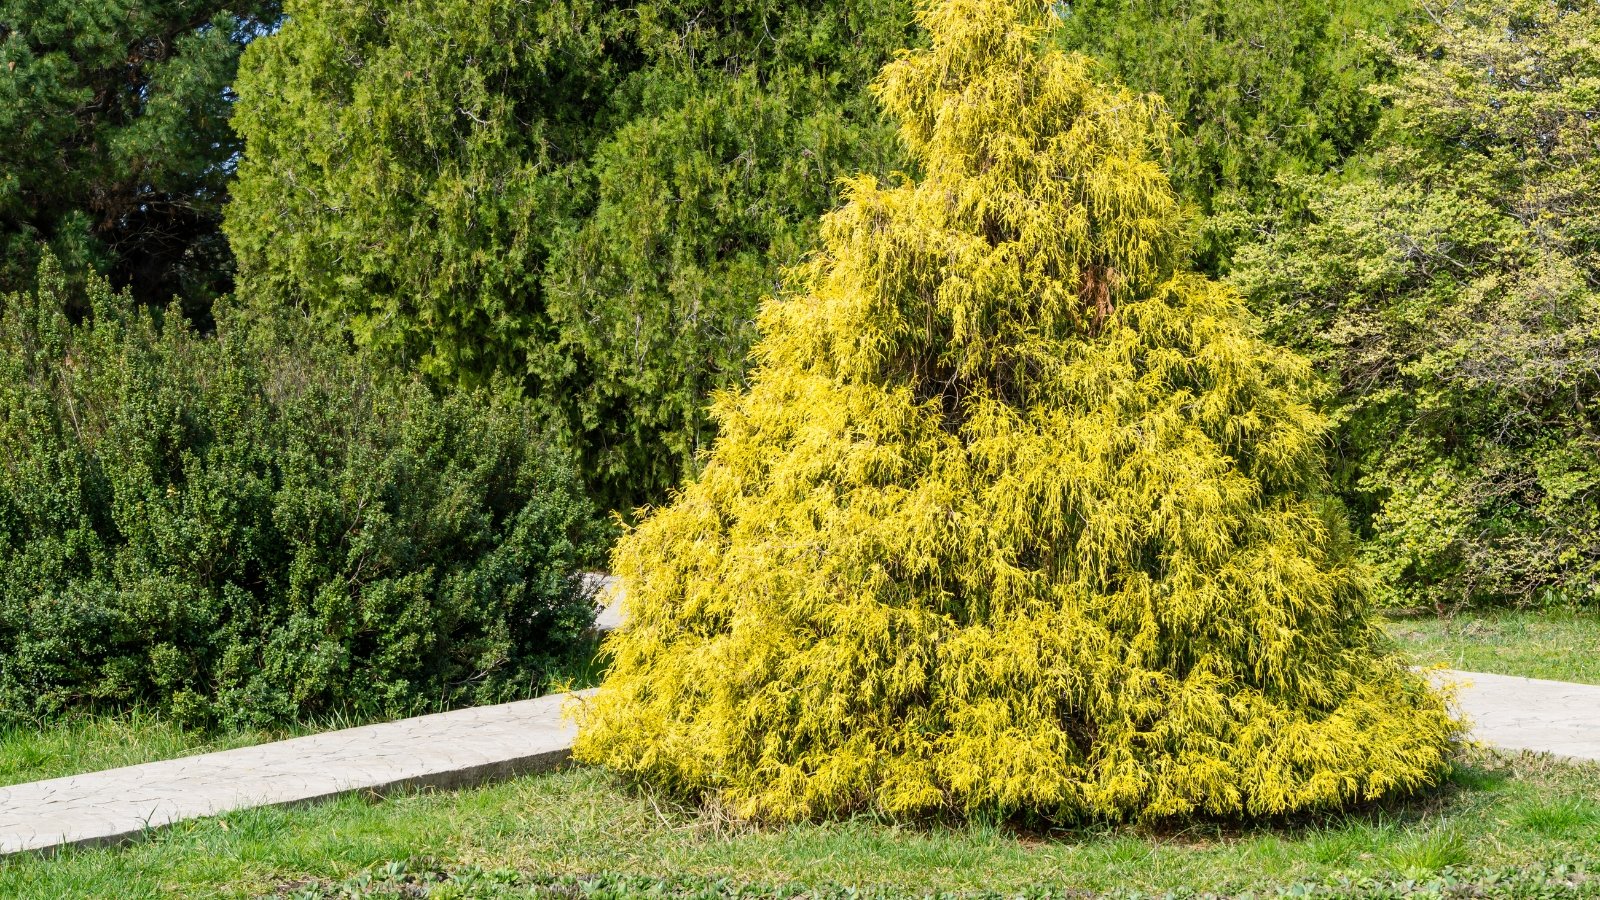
<point>1270,854</point>
<point>1430,852</point>
<point>1561,817</point>
<point>1346,842</point>
<point>1125,852</point>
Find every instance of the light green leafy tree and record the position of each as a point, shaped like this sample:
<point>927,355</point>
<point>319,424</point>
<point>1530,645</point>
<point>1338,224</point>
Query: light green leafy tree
<point>407,166</point>
<point>1448,283</point>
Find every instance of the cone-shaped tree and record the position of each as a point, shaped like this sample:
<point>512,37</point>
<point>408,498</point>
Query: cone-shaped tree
<point>1015,516</point>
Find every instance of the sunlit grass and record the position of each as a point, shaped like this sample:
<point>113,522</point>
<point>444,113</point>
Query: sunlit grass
<point>1561,644</point>
<point>1496,811</point>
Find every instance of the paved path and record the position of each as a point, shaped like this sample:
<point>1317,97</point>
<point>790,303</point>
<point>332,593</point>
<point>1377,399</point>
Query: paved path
<point>1514,713</point>
<point>452,749</point>
<point>468,746</point>
<point>605,587</point>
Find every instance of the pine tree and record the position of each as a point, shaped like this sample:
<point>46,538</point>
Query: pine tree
<point>115,149</point>
<point>1016,517</point>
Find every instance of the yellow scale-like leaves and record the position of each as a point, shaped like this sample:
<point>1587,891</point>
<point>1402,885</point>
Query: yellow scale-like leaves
<point>1015,516</point>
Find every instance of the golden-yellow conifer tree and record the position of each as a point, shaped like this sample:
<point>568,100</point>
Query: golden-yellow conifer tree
<point>1016,516</point>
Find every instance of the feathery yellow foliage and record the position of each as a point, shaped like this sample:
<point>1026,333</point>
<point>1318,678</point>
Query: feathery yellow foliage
<point>1015,516</point>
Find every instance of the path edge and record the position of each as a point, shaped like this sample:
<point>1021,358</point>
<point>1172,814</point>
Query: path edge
<point>455,779</point>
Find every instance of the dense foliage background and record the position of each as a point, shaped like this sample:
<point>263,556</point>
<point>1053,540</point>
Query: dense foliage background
<point>257,526</point>
<point>115,149</point>
<point>588,198</point>
<point>1259,89</point>
<point>1447,281</point>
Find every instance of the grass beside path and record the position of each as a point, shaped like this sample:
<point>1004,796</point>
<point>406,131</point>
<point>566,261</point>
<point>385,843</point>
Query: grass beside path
<point>1522,813</point>
<point>91,743</point>
<point>1559,644</point>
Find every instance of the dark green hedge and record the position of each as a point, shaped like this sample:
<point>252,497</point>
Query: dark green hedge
<point>253,527</point>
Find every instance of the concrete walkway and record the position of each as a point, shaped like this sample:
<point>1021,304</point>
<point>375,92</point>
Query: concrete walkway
<point>452,749</point>
<point>1511,713</point>
<point>469,746</point>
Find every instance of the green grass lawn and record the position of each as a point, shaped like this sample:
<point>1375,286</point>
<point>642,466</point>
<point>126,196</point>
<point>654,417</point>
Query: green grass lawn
<point>1497,813</point>
<point>91,743</point>
<point>1560,644</point>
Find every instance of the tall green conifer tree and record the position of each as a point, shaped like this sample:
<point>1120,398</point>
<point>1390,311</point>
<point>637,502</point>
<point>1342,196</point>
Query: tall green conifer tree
<point>1016,516</point>
<point>585,198</point>
<point>115,147</point>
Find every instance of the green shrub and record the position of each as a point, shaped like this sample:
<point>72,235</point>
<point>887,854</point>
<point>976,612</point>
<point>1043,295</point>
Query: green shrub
<point>253,526</point>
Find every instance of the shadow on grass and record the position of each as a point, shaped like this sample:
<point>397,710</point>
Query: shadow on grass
<point>1472,774</point>
<point>1331,836</point>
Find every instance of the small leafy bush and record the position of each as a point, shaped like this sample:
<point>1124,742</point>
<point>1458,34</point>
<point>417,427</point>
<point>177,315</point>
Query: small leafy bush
<point>254,526</point>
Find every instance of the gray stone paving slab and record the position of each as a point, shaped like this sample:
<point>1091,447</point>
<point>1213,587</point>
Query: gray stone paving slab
<point>446,750</point>
<point>1512,713</point>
